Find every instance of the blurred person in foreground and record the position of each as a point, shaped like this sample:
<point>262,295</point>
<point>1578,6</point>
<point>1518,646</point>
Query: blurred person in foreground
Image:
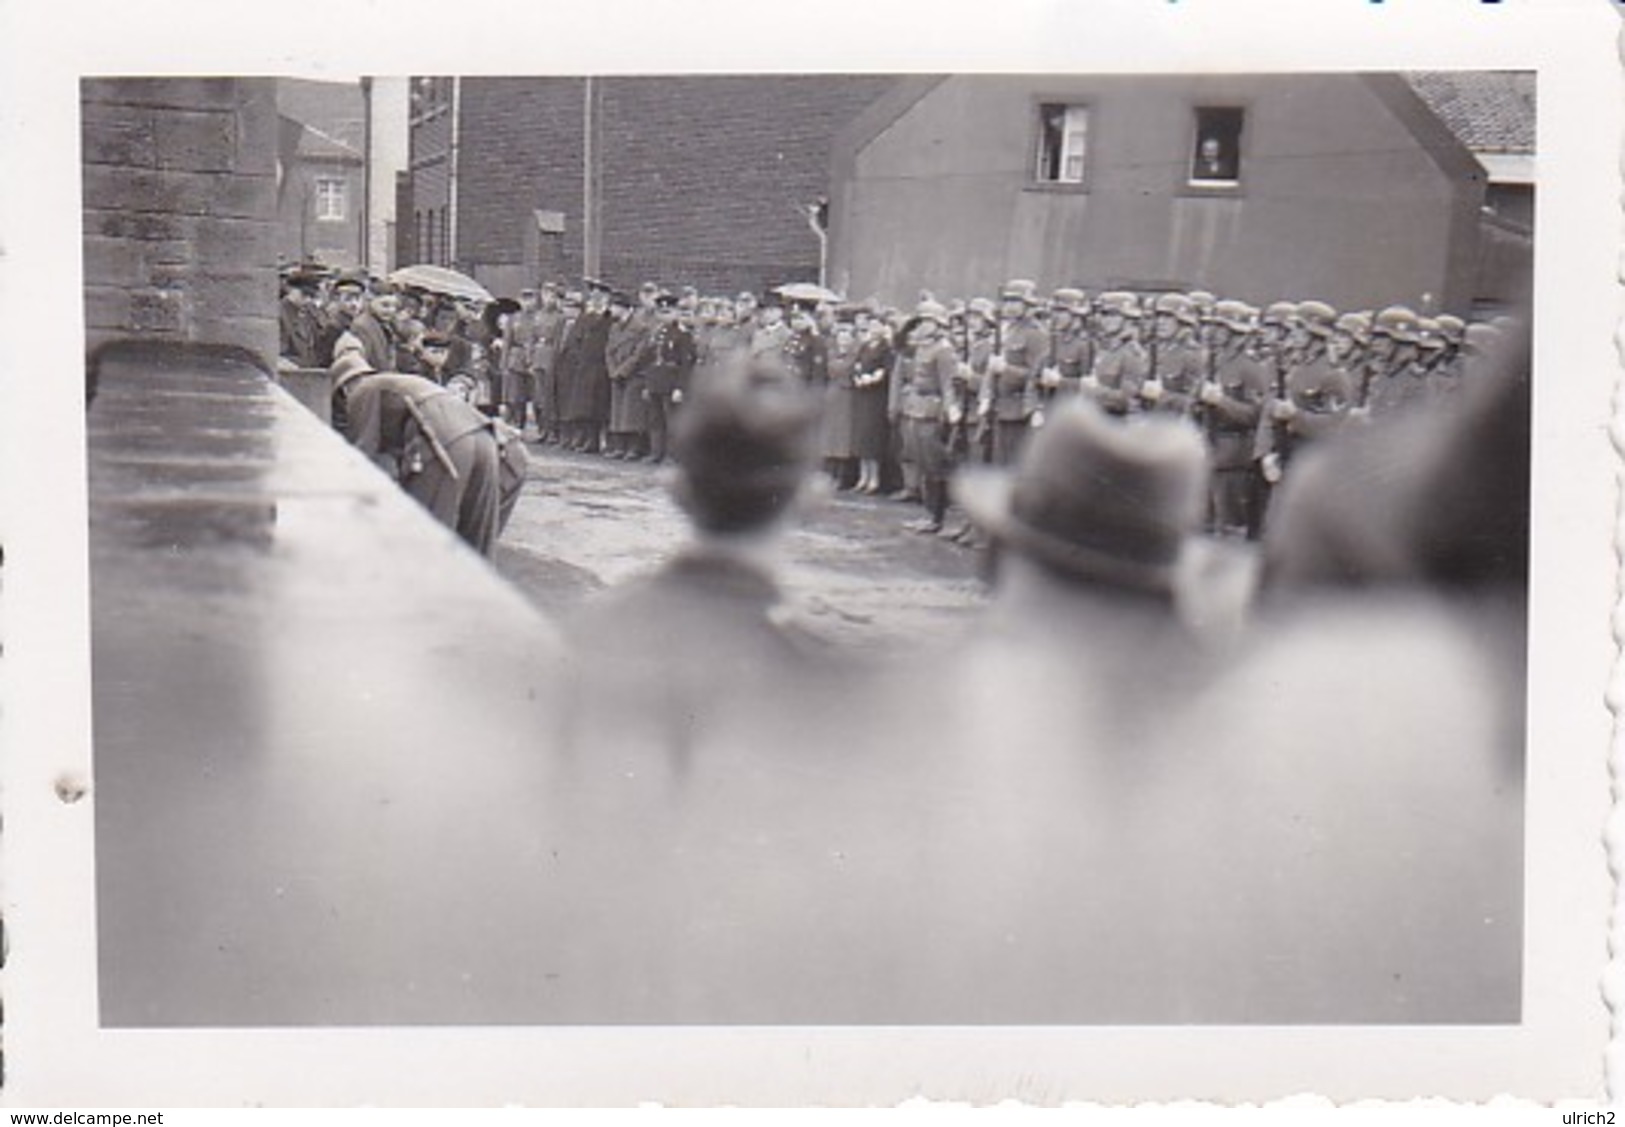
<point>1374,727</point>
<point>706,629</point>
<point>1105,824</point>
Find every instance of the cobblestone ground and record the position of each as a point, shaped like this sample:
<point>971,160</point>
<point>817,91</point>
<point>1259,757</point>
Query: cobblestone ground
<point>852,573</point>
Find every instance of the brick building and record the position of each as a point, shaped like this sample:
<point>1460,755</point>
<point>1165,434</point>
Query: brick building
<point>180,227</point>
<point>321,174</point>
<point>693,179</point>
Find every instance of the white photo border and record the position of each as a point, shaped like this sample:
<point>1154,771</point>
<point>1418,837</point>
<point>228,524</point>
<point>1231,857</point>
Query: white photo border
<point>55,1052</point>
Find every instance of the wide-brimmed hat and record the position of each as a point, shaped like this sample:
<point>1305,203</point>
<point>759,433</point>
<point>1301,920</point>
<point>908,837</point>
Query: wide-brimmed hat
<point>1097,498</point>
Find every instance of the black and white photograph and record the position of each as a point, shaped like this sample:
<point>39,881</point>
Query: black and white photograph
<point>1048,553</point>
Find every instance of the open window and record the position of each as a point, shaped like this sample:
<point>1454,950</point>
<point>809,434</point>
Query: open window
<point>1063,141</point>
<point>1216,158</point>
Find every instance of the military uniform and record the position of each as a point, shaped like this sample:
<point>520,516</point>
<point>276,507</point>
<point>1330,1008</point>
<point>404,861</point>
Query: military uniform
<point>1243,382</point>
<point>807,356</point>
<point>1072,356</point>
<point>767,340</point>
<point>1320,394</point>
<point>444,453</point>
<point>669,358</point>
<point>923,385</point>
<point>1401,390</point>
<point>1009,389</point>
<point>518,363</point>
<point>544,351</point>
<point>1176,370</point>
<point>1120,367</point>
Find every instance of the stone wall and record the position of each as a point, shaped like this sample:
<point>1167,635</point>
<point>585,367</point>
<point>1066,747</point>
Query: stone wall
<point>180,211</point>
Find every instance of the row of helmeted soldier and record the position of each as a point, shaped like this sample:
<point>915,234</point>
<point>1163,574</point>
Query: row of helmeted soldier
<point>601,371</point>
<point>1101,803</point>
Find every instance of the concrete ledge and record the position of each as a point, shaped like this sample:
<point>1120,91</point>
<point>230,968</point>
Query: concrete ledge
<point>316,714</point>
<point>310,386</point>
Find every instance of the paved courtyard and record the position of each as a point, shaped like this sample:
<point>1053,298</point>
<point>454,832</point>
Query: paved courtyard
<point>852,573</point>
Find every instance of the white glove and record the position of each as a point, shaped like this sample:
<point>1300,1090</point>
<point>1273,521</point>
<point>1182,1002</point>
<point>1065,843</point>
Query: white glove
<point>1037,420</point>
<point>676,395</point>
<point>1050,378</point>
<point>1090,383</point>
<point>997,365</point>
<point>1212,393</point>
<point>1151,391</point>
<point>1271,465</point>
<point>1283,410</point>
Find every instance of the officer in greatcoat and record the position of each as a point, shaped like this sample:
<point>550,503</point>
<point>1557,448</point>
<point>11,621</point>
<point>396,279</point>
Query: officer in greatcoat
<point>627,434</point>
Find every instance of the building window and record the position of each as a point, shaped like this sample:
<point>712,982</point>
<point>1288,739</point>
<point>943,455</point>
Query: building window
<point>330,192</point>
<point>1216,159</point>
<point>1063,137</point>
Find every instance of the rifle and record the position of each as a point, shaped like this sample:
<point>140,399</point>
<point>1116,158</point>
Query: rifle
<point>1367,378</point>
<point>1151,356</point>
<point>988,424</point>
<point>959,433</point>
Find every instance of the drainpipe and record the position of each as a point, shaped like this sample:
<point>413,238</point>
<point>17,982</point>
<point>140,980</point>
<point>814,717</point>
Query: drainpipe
<point>365,257</point>
<point>589,185</point>
<point>452,171</point>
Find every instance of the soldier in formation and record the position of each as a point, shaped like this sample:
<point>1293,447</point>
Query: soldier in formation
<point>914,396</point>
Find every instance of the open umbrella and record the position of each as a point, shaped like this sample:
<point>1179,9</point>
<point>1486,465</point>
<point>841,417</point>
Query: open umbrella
<point>440,280</point>
<point>806,291</point>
